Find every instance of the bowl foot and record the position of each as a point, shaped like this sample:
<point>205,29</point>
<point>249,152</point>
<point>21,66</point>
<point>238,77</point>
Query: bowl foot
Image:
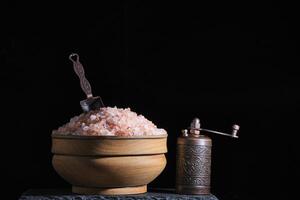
<point>110,191</point>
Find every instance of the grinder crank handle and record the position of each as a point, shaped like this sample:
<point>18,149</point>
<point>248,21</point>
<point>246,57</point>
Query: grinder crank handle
<point>233,134</point>
<point>196,128</point>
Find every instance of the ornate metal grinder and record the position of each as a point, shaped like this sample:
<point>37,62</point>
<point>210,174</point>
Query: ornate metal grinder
<point>194,159</point>
<point>91,103</point>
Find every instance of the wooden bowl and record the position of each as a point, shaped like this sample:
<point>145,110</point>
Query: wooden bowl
<point>109,165</point>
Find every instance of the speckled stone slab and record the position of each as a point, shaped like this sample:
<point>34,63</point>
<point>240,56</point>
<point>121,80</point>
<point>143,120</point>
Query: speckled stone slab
<point>68,195</point>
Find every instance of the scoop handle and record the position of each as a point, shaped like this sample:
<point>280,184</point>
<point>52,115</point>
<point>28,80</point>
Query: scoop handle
<point>79,70</point>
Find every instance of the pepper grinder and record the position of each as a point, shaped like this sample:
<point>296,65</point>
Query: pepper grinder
<point>193,160</point>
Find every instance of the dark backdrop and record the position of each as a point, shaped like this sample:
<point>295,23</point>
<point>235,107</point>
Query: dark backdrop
<point>225,63</point>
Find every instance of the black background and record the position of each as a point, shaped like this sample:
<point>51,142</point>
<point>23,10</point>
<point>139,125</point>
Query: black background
<point>224,62</point>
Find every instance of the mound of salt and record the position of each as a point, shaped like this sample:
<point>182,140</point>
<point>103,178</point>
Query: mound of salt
<point>110,121</point>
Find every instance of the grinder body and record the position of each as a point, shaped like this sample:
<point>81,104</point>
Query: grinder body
<point>193,164</point>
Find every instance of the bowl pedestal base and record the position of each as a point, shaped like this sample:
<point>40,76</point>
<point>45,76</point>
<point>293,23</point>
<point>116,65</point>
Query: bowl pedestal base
<point>110,191</point>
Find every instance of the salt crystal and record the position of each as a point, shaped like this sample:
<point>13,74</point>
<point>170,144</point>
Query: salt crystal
<point>93,117</point>
<point>85,128</point>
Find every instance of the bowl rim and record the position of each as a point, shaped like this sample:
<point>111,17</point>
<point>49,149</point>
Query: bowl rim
<point>103,137</point>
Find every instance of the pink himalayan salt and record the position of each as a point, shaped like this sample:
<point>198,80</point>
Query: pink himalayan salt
<point>110,121</point>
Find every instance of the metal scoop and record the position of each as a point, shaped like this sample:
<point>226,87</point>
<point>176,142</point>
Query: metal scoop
<point>91,103</point>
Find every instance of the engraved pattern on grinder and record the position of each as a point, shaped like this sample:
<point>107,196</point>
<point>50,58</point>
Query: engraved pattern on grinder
<point>194,169</point>
<point>202,181</point>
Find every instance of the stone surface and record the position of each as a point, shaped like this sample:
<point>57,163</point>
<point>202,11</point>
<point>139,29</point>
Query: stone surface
<point>55,194</point>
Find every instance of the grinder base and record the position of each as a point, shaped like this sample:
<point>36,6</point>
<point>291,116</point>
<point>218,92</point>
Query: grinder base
<point>180,189</point>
